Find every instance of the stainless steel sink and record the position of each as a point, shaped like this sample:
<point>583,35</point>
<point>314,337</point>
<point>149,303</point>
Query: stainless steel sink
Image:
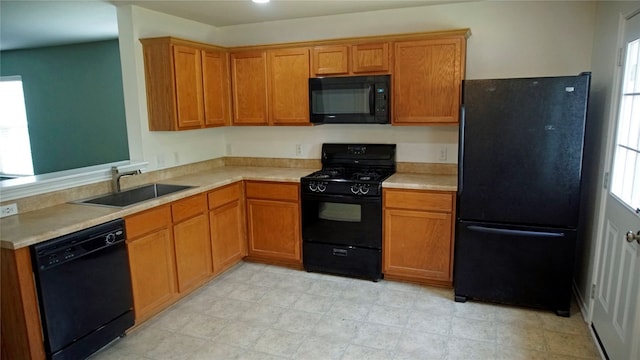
<point>134,196</point>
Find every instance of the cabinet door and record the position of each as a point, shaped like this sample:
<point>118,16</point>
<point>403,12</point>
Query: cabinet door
<point>249,87</point>
<point>289,87</point>
<point>188,82</point>
<point>227,235</point>
<point>332,60</point>
<point>417,244</point>
<point>370,58</point>
<point>153,281</point>
<point>273,230</point>
<point>427,81</point>
<point>215,83</point>
<point>193,252</point>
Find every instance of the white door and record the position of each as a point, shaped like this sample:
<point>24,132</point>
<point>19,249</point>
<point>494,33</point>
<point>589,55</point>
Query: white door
<point>617,302</point>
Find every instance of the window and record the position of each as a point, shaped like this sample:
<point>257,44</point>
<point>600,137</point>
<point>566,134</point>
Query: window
<point>15,148</point>
<point>625,182</point>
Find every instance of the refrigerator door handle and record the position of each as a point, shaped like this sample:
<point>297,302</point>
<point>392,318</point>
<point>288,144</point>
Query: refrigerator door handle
<point>490,230</point>
<point>461,149</point>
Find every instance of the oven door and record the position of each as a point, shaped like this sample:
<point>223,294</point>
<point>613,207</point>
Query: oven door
<point>342,220</point>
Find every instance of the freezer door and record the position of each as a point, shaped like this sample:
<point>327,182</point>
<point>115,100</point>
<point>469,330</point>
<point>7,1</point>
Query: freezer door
<point>521,145</point>
<point>517,265</point>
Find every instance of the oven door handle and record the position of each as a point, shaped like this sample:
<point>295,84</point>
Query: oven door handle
<point>342,199</point>
<point>339,252</point>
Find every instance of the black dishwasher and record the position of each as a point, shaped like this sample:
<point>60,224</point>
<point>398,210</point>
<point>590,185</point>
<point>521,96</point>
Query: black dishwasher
<point>84,290</point>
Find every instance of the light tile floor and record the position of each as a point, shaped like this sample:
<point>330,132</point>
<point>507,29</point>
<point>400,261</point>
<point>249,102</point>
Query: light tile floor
<point>257,311</point>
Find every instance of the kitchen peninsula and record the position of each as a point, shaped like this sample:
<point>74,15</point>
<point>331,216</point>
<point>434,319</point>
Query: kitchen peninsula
<point>21,324</point>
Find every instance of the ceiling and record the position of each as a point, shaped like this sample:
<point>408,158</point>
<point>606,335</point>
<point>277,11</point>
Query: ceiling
<point>27,24</point>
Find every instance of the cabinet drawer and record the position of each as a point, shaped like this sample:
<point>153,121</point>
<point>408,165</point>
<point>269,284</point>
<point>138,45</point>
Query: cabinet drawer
<point>272,190</point>
<point>148,221</point>
<point>418,200</point>
<point>224,195</point>
<point>189,207</point>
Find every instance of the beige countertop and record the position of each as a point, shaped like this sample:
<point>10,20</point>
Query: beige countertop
<point>32,227</point>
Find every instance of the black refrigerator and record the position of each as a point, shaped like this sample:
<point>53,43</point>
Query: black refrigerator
<point>519,176</point>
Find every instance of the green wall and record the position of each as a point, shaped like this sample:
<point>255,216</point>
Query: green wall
<point>74,101</point>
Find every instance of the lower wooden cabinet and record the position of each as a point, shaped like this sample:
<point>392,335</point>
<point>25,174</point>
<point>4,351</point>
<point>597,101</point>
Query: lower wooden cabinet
<point>273,222</point>
<point>226,221</point>
<point>152,261</point>
<point>418,236</point>
<point>192,245</point>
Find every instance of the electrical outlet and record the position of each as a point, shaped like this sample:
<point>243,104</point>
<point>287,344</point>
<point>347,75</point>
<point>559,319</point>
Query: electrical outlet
<point>298,150</point>
<point>227,149</point>
<point>443,154</point>
<point>8,210</point>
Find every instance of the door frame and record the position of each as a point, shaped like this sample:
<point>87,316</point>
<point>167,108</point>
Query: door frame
<point>611,124</point>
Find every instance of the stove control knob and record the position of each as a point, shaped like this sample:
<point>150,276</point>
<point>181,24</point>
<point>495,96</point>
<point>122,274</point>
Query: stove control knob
<point>364,189</point>
<point>110,238</point>
<point>313,186</point>
<point>322,187</point>
<point>355,188</point>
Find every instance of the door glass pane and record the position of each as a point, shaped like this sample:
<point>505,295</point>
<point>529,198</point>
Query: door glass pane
<point>625,182</point>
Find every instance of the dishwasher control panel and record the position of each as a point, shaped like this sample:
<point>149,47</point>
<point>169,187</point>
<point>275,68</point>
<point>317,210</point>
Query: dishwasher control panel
<point>78,244</point>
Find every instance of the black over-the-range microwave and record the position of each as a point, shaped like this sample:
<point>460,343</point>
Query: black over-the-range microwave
<point>350,100</point>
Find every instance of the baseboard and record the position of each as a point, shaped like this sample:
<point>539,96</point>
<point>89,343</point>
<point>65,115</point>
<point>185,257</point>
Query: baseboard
<point>584,308</point>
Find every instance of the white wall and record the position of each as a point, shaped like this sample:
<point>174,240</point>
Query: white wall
<point>509,39</point>
<point>160,149</point>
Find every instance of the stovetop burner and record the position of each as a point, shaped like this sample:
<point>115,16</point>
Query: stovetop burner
<point>366,175</point>
<point>328,173</point>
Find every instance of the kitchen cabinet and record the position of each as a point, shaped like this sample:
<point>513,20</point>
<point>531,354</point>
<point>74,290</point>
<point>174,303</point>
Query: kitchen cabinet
<point>289,86</point>
<point>187,84</point>
<point>215,86</point>
<point>152,261</point>
<point>351,59</point>
<point>331,60</point>
<point>271,87</point>
<point>192,245</point>
<point>21,329</point>
<point>427,80</point>
<point>273,222</point>
<point>226,219</point>
<point>370,58</point>
<point>418,236</point>
<point>249,87</point>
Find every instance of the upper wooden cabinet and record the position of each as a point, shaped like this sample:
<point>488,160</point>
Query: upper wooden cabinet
<point>331,60</point>
<point>354,59</point>
<point>370,58</point>
<point>192,85</point>
<point>427,81</point>
<point>289,86</point>
<point>249,87</point>
<point>271,87</point>
<point>216,87</point>
<point>187,84</point>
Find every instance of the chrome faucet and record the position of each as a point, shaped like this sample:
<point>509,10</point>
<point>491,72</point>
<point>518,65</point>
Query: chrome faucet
<point>116,175</point>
